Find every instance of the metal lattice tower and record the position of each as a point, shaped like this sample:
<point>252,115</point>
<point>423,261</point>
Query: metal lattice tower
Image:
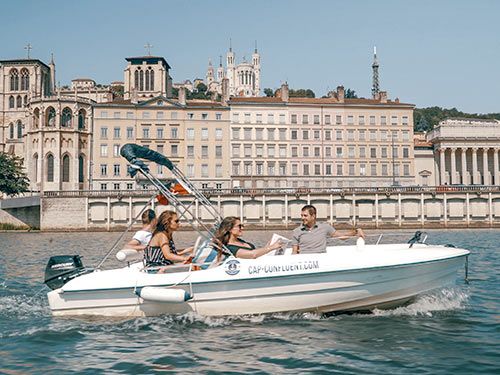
<point>375,83</point>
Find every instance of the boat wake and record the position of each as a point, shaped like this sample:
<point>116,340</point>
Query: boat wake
<point>428,304</point>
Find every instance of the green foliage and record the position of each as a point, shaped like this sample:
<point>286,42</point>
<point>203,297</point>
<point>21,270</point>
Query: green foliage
<point>200,92</point>
<point>424,119</point>
<point>13,180</point>
<point>350,94</point>
<point>301,93</point>
<point>268,92</point>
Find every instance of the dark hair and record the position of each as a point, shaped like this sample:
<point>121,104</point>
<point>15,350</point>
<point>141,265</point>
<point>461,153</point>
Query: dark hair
<point>309,208</point>
<point>148,216</point>
<point>163,224</point>
<point>223,233</point>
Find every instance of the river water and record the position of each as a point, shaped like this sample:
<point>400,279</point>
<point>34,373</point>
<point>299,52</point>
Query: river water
<point>451,331</point>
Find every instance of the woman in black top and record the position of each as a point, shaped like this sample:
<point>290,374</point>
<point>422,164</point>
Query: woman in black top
<point>161,249</point>
<point>228,234</point>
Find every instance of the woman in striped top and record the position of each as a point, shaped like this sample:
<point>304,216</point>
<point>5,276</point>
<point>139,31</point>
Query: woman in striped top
<point>161,249</point>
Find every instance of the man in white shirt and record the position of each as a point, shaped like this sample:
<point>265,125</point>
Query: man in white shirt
<point>142,237</point>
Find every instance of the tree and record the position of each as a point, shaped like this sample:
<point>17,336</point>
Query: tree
<point>350,94</point>
<point>13,180</point>
<point>268,92</point>
<point>301,93</point>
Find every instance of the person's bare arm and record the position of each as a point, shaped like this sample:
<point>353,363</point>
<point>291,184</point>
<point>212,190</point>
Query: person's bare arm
<point>345,234</point>
<point>255,253</point>
<point>295,249</point>
<point>135,245</point>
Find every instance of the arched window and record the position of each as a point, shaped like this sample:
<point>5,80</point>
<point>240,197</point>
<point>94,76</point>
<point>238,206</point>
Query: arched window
<point>11,130</point>
<point>12,102</point>
<point>25,80</point>
<point>136,79</point>
<point>19,129</point>
<point>65,168</point>
<point>25,100</point>
<point>50,117</point>
<point>36,118</point>
<point>66,117</point>
<point>19,101</point>
<point>141,80</point>
<point>14,80</point>
<point>147,79</point>
<point>152,80</point>
<point>50,168</point>
<point>81,163</point>
<point>81,119</point>
<point>35,168</point>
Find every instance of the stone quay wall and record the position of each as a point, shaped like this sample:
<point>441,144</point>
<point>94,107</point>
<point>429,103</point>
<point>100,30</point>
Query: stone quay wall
<point>400,207</point>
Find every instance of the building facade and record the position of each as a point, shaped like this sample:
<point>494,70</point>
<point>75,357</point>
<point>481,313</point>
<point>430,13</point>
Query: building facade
<point>325,142</point>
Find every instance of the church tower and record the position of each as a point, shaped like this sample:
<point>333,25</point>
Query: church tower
<point>210,73</point>
<point>220,71</point>
<point>230,65</point>
<point>146,77</point>
<point>256,69</point>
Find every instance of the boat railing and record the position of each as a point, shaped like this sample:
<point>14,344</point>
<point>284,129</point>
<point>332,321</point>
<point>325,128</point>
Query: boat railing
<point>420,237</point>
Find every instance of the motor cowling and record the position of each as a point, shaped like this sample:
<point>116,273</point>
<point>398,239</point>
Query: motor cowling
<point>62,268</point>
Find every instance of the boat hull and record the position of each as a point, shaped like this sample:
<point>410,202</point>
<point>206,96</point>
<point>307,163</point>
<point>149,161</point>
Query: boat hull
<point>319,290</point>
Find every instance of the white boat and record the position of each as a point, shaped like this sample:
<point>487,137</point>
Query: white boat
<point>341,278</point>
<point>344,278</point>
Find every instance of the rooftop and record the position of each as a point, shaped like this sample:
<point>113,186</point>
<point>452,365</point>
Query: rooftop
<point>295,100</point>
<point>148,59</point>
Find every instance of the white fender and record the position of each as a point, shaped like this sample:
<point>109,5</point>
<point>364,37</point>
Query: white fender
<point>164,294</point>
<point>129,255</point>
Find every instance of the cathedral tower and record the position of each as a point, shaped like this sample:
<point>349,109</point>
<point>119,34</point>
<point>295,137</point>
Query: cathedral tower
<point>375,83</point>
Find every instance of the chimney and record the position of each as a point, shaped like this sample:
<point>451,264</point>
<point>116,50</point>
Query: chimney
<point>284,92</point>
<point>396,100</point>
<point>383,96</point>
<point>225,91</point>
<point>182,95</point>
<point>340,94</point>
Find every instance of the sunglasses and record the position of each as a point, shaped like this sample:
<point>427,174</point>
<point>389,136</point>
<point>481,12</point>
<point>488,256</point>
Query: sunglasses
<point>239,226</point>
<point>177,221</point>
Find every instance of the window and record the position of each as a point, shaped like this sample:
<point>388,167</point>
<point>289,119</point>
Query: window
<point>130,133</point>
<point>190,133</point>
<point>271,151</point>
<point>383,135</point>
<point>372,120</point>
<point>236,133</point>
<point>338,119</point>
<point>328,135</point>
<point>145,133</point>
<point>204,185</point>
<point>383,120</point>
<point>395,152</point>
<point>130,186</point>
<point>160,115</point>
<point>317,169</point>
<point>361,120</point>
<point>373,169</point>
<point>328,169</point>
<point>316,119</point>
<point>339,152</point>
<point>204,134</point>
<point>116,114</point>
<point>116,186</point>
<point>104,169</point>
<point>218,134</point>
<point>236,151</point>
<point>350,152</point>
<point>350,120</point>
<point>259,150</point>
<point>116,170</point>
<point>294,119</point>
<point>259,134</point>
<point>305,151</point>
<point>282,151</point>
<point>190,115</point>
<point>406,152</point>
<point>394,120</point>
<point>282,169</point>
<point>218,170</point>
<point>174,150</point>
<point>350,135</point>
<point>362,169</point>
<point>305,134</point>
<point>317,152</point>
<point>258,118</point>
<point>406,136</point>
<point>295,152</point>
<point>305,169</point>
<point>218,152</point>
<point>204,170</point>
<point>305,119</point>
<point>396,170</point>
<point>384,170</point>
<point>159,133</point>
<point>270,134</point>
<point>104,150</point>
<point>293,134</point>
<point>327,120</point>
<point>174,133</point>
<point>190,170</point>
<point>362,152</point>
<point>104,186</point>
<point>340,169</point>
<point>351,170</point>
<point>259,169</point>
<point>328,152</point>
<point>65,168</point>
<point>116,133</point>
<point>404,120</point>
<point>406,169</point>
<point>116,150</point>
<point>173,115</point>
<point>218,116</point>
<point>316,134</point>
<point>159,148</point>
<point>282,118</point>
<point>19,129</point>
<point>282,133</point>
<point>236,169</point>
<point>247,134</point>
<point>104,114</point>
<point>248,168</point>
<point>204,116</point>
<point>373,135</point>
<point>190,151</point>
<point>384,152</point>
<point>204,152</point>
<point>339,135</point>
<point>247,118</point>
<point>362,135</point>
<point>236,117</point>
<point>295,170</point>
<point>270,118</point>
<point>373,152</point>
<point>248,150</point>
<point>146,115</point>
<point>12,101</point>
<point>104,133</point>
<point>130,115</point>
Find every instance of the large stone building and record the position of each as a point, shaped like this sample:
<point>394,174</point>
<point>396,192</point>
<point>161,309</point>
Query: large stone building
<point>243,78</point>
<point>321,142</point>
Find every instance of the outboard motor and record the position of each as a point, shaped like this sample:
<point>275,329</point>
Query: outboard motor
<point>62,268</point>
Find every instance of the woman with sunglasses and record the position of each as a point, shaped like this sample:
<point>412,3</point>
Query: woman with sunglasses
<point>161,249</point>
<point>229,234</point>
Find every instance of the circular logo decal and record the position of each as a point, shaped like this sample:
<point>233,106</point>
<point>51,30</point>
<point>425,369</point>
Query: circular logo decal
<point>232,267</point>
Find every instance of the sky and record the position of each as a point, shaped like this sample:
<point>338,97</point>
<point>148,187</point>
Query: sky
<point>431,53</point>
